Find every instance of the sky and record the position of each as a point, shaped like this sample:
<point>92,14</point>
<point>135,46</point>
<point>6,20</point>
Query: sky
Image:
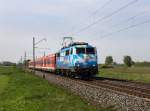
<point>21,20</point>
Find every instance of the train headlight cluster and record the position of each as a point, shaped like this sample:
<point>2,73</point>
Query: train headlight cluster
<point>78,65</point>
<point>94,65</point>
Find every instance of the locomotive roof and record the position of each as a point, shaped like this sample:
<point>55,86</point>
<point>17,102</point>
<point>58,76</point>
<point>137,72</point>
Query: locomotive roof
<point>76,44</point>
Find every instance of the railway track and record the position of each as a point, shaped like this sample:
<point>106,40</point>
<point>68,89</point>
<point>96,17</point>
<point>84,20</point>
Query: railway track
<point>126,87</point>
<point>129,87</point>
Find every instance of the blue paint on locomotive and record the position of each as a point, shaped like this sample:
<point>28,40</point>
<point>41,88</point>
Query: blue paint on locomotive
<point>77,56</point>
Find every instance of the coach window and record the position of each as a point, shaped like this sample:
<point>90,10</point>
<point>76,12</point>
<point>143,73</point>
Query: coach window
<point>49,61</point>
<point>44,61</point>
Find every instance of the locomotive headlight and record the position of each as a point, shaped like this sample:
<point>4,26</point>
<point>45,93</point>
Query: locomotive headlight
<point>78,65</point>
<point>94,65</point>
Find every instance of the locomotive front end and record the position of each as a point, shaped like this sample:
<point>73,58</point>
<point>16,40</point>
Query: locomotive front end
<point>77,59</point>
<point>86,60</point>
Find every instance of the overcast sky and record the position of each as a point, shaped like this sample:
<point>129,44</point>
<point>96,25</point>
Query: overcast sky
<point>20,20</point>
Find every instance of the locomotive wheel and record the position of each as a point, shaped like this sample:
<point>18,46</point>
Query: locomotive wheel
<point>58,71</point>
<point>67,73</point>
<point>63,72</point>
<point>72,75</point>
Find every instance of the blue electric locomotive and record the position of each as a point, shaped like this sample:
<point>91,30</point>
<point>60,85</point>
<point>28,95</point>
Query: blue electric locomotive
<point>77,59</point>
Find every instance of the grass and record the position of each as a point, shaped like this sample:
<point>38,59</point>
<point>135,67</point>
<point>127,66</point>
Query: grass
<point>20,91</point>
<point>141,74</point>
<point>3,82</point>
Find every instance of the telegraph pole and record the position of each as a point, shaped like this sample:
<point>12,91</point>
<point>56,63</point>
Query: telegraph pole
<point>33,54</point>
<point>25,59</point>
<point>34,46</point>
<point>21,60</point>
<point>21,63</point>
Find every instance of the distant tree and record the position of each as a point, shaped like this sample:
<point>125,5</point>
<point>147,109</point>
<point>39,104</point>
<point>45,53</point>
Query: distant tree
<point>114,63</point>
<point>109,60</point>
<point>7,63</point>
<point>128,61</point>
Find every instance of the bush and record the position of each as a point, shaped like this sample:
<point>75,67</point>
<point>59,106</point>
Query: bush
<point>109,60</point>
<point>128,61</point>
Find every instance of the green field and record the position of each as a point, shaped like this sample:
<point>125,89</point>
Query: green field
<point>20,91</point>
<point>141,74</point>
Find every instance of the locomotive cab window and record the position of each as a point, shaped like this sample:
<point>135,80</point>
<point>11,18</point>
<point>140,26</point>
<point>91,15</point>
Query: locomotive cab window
<point>90,51</point>
<point>80,50</point>
<point>85,50</point>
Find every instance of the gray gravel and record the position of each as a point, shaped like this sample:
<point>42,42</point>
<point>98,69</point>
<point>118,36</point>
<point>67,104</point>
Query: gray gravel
<point>101,96</point>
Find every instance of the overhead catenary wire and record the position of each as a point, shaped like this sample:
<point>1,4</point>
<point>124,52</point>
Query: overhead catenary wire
<point>124,29</point>
<point>97,10</point>
<point>106,17</point>
<point>102,7</point>
<point>131,18</point>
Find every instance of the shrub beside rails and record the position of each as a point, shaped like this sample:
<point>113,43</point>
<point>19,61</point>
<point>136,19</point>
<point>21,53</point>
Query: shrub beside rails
<point>76,59</point>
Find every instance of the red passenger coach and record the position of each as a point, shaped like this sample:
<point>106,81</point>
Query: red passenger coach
<point>50,62</point>
<point>47,63</point>
<point>39,63</point>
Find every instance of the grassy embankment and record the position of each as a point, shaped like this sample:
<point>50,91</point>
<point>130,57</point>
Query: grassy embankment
<point>20,91</point>
<point>141,74</point>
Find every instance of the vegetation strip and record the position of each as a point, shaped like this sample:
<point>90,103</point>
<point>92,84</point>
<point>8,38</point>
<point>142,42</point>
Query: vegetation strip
<point>137,73</point>
<point>103,96</point>
<point>25,92</point>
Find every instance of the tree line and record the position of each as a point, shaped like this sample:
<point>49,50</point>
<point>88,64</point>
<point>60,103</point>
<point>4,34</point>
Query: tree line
<point>7,63</point>
<point>127,60</point>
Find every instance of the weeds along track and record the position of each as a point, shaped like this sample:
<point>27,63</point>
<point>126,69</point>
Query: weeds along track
<point>129,87</point>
